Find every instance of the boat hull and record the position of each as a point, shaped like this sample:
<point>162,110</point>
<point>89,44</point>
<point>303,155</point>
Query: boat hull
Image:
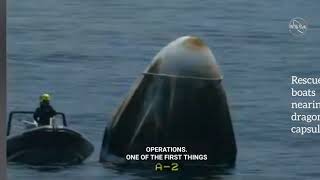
<point>47,145</point>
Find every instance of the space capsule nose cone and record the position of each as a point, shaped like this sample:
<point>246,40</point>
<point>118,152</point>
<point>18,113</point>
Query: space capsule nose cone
<point>187,57</point>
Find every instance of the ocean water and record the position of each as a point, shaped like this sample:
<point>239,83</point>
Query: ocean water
<point>87,54</point>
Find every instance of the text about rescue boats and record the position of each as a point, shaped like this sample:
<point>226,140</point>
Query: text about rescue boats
<point>305,105</point>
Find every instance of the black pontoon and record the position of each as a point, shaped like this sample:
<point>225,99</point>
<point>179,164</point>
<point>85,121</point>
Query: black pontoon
<point>46,145</point>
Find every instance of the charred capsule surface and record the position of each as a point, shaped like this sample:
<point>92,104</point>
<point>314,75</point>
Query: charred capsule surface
<point>179,101</point>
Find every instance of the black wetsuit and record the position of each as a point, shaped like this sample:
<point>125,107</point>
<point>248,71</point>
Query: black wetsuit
<point>43,114</point>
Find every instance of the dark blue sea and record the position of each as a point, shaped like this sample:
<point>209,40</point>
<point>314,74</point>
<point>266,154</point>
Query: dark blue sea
<point>87,54</point>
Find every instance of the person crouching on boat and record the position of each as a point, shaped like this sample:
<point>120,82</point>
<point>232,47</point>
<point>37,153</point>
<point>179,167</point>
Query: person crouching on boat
<point>44,112</point>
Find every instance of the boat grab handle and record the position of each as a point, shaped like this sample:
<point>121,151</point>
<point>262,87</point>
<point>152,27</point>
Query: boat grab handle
<point>64,121</point>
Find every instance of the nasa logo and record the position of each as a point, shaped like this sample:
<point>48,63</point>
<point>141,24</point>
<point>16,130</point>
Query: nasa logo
<point>298,26</point>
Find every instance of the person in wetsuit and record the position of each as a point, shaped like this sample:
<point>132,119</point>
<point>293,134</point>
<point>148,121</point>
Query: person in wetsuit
<point>44,112</point>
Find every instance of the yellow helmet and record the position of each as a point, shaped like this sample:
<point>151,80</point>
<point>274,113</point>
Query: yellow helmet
<point>45,97</point>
